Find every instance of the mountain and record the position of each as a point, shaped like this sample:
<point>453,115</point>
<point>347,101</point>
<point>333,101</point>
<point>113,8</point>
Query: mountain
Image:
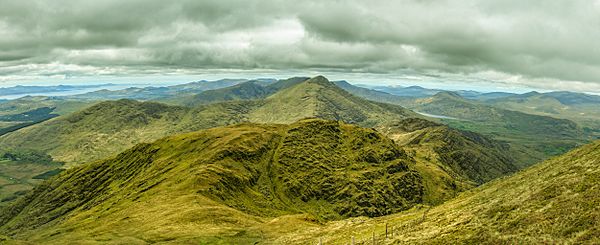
<point>279,183</point>
<point>411,91</point>
<point>157,93</point>
<point>113,126</point>
<point>28,90</point>
<point>474,95</point>
<point>571,98</point>
<point>320,98</point>
<point>220,182</point>
<point>244,91</point>
<point>107,128</point>
<point>250,90</point>
<point>554,202</point>
<point>371,94</point>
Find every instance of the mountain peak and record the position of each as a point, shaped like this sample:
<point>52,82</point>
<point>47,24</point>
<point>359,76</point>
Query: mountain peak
<point>448,94</point>
<point>320,80</point>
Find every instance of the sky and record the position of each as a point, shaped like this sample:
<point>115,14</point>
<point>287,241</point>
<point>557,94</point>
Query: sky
<point>490,45</point>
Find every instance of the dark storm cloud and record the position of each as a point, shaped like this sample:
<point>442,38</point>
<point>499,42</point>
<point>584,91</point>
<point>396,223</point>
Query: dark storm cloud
<point>528,39</point>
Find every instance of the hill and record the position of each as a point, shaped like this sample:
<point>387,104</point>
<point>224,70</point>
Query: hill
<point>554,202</point>
<point>251,90</point>
<point>218,182</point>
<point>97,131</point>
<point>61,105</point>
<point>370,94</point>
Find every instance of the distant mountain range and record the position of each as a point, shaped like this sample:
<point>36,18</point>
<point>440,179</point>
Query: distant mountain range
<point>19,89</point>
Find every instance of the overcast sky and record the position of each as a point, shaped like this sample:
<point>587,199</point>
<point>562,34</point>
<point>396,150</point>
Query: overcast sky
<point>545,45</point>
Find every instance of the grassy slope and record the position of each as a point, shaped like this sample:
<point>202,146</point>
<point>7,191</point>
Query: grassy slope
<point>221,184</point>
<point>468,155</point>
<point>557,201</point>
<point>97,131</point>
<point>450,160</point>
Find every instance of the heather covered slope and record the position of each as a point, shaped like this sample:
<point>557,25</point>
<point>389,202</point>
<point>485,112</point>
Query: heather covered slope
<point>554,202</point>
<point>222,183</point>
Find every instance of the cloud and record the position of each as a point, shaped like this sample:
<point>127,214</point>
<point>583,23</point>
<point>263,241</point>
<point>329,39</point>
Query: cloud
<point>536,41</point>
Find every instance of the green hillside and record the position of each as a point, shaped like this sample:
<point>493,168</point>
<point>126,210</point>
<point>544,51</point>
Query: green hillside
<point>464,154</point>
<point>244,91</point>
<point>220,182</point>
<point>62,106</point>
<point>97,131</point>
<point>554,202</point>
